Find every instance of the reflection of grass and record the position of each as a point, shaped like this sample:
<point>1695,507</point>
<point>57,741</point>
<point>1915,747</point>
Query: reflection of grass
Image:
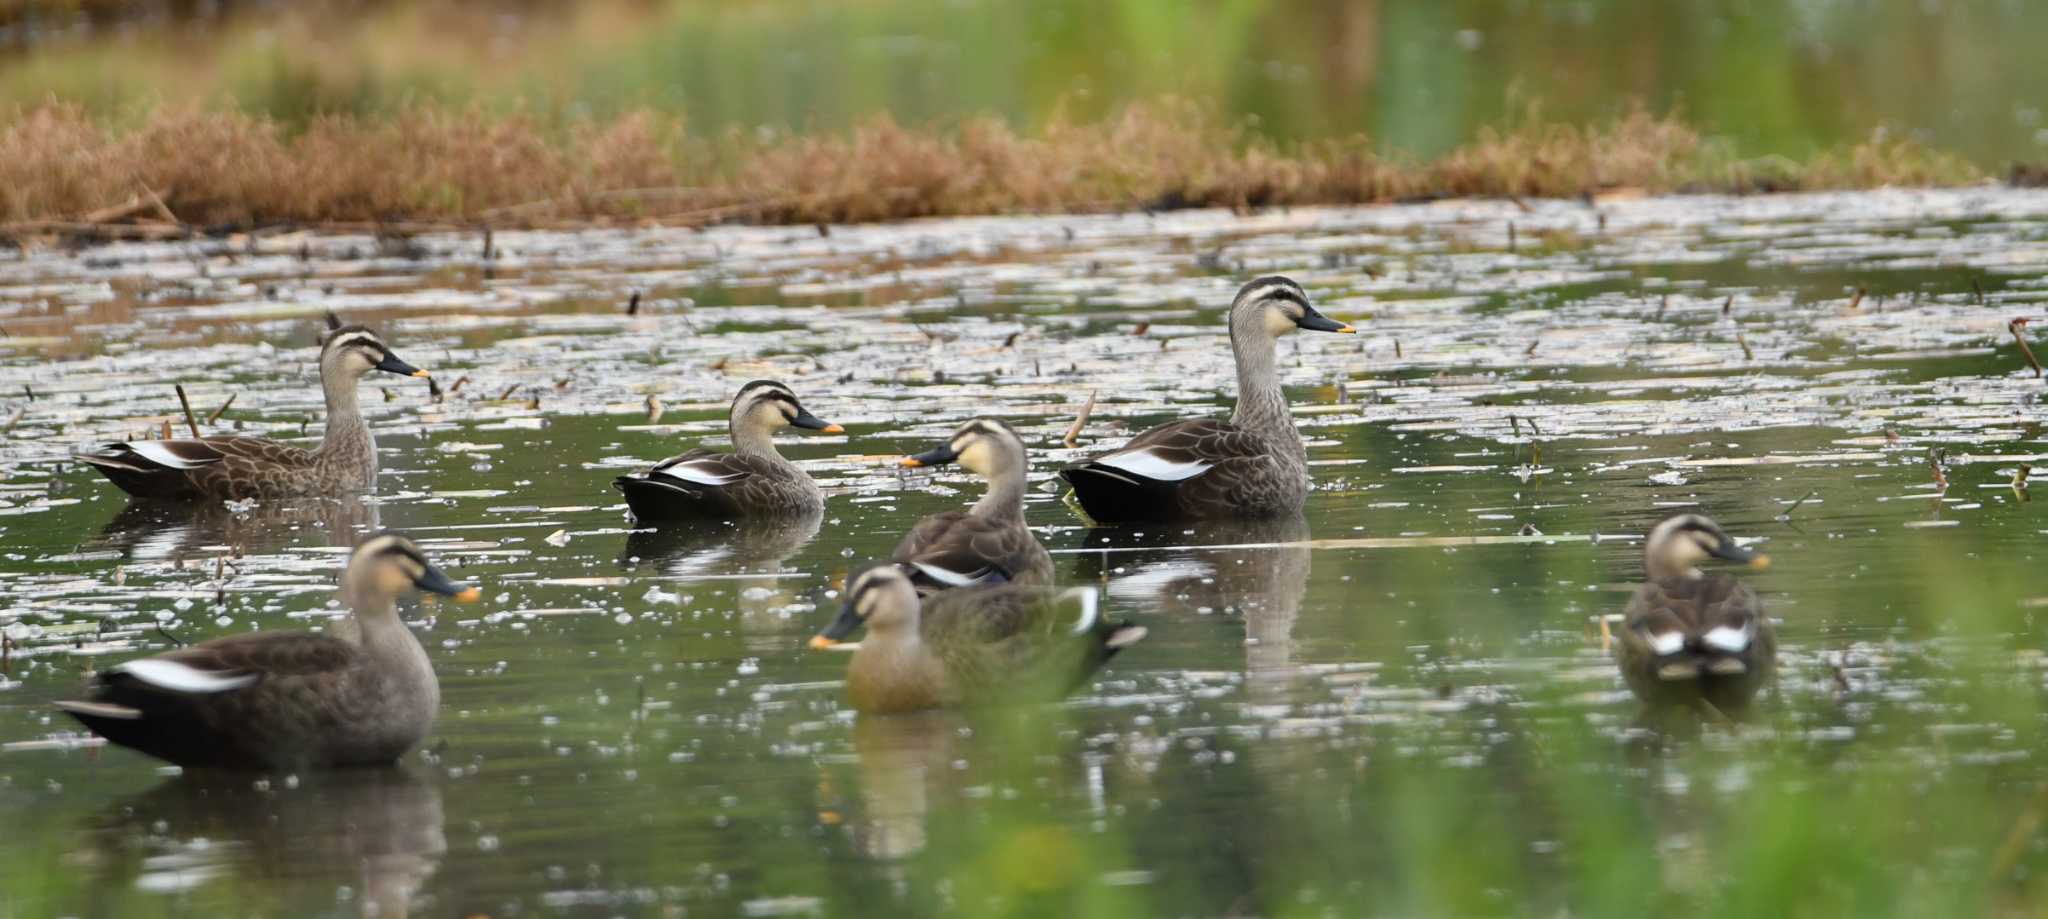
<point>432,163</point>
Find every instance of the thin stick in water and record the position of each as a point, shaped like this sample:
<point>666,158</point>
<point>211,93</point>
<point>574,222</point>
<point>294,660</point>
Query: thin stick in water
<point>210,419</point>
<point>2018,328</point>
<point>1857,300</point>
<point>1074,431</point>
<point>186,404</point>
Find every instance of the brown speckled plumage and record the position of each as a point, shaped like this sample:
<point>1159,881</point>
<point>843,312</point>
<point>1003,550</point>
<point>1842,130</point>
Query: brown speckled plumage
<point>988,543</point>
<point>1253,465</point>
<point>1008,643</point>
<point>1688,636</point>
<point>251,467</point>
<point>752,481</point>
<point>360,696</point>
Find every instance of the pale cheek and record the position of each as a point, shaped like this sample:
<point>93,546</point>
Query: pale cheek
<point>975,459</point>
<point>1277,323</point>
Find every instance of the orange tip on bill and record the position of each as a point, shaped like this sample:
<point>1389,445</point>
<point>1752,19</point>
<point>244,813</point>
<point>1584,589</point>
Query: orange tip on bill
<point>421,374</point>
<point>833,429</point>
<point>820,642</point>
<point>910,461</point>
<point>1760,562</point>
<point>470,595</point>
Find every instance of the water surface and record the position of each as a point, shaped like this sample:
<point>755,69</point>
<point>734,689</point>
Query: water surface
<point>1399,704</point>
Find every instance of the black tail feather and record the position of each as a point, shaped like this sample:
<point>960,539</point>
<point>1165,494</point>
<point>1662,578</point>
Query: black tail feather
<point>1113,496</point>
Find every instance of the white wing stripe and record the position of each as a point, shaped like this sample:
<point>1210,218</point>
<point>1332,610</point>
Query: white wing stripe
<point>948,576</point>
<point>177,677</point>
<point>1090,607</point>
<point>1144,462</point>
<point>155,452</point>
<point>1726,638</point>
<point>699,475</point>
<point>1668,642</point>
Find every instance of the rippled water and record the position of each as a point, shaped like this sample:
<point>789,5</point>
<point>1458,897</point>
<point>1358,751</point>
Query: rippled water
<point>1400,704</point>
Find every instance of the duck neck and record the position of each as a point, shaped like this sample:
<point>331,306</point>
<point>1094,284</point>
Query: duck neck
<point>1261,405</point>
<point>1005,497</point>
<point>1661,567</point>
<point>348,438</point>
<point>379,629</point>
<point>753,440</point>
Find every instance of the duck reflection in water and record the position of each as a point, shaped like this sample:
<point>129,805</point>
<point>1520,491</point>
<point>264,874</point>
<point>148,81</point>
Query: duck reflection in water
<point>905,763</point>
<point>296,844</point>
<point>152,531</point>
<point>750,552</point>
<point>1256,569</point>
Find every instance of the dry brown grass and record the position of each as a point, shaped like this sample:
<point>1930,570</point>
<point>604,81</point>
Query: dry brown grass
<point>219,170</point>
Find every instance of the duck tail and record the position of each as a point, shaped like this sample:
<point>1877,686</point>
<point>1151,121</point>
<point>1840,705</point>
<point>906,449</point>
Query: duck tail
<point>1114,496</point>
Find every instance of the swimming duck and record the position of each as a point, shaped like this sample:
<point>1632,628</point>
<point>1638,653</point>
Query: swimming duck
<point>753,480</point>
<point>1005,643</point>
<point>286,700</point>
<point>1253,465</point>
<point>253,467</point>
<point>985,544</point>
<point>1691,637</point>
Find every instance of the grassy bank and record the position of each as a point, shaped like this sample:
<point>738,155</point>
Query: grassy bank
<point>64,171</point>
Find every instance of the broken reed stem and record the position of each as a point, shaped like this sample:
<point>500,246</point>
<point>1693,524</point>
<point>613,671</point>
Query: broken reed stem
<point>1934,463</point>
<point>507,394</point>
<point>1743,340</point>
<point>1074,431</point>
<point>167,430</point>
<point>2019,476</point>
<point>633,304</point>
<point>1857,301</point>
<point>654,410</point>
<point>1802,500</point>
<point>186,404</point>
<point>210,419</point>
<point>2020,837</point>
<point>2018,328</point>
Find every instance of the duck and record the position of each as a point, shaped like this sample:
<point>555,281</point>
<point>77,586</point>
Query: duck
<point>753,480</point>
<point>1253,465</point>
<point>240,468</point>
<point>987,543</point>
<point>968,648</point>
<point>1688,637</point>
<point>361,695</point>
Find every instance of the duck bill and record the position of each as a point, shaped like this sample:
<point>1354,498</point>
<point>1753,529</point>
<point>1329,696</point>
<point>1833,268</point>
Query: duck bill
<point>810,422</point>
<point>391,364</point>
<point>1317,322</point>
<point>936,456</point>
<point>843,625</point>
<point>436,581</point>
<point>1729,551</point>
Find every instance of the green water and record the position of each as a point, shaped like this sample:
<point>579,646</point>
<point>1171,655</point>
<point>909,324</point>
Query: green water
<point>1339,715</point>
<point>1772,77</point>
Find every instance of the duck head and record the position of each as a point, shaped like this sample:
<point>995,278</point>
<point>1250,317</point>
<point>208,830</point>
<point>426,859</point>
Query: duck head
<point>1274,306</point>
<point>386,566</point>
<point>351,351</point>
<point>983,446</point>
<point>766,406</point>
<point>1677,546</point>
<point>880,597</point>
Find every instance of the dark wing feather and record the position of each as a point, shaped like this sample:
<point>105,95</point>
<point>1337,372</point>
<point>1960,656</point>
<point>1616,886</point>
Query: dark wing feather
<point>1015,642</point>
<point>976,548</point>
<point>270,722</point>
<point>1110,493</point>
<point>191,468</point>
<point>654,495</point>
<point>1694,608</point>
